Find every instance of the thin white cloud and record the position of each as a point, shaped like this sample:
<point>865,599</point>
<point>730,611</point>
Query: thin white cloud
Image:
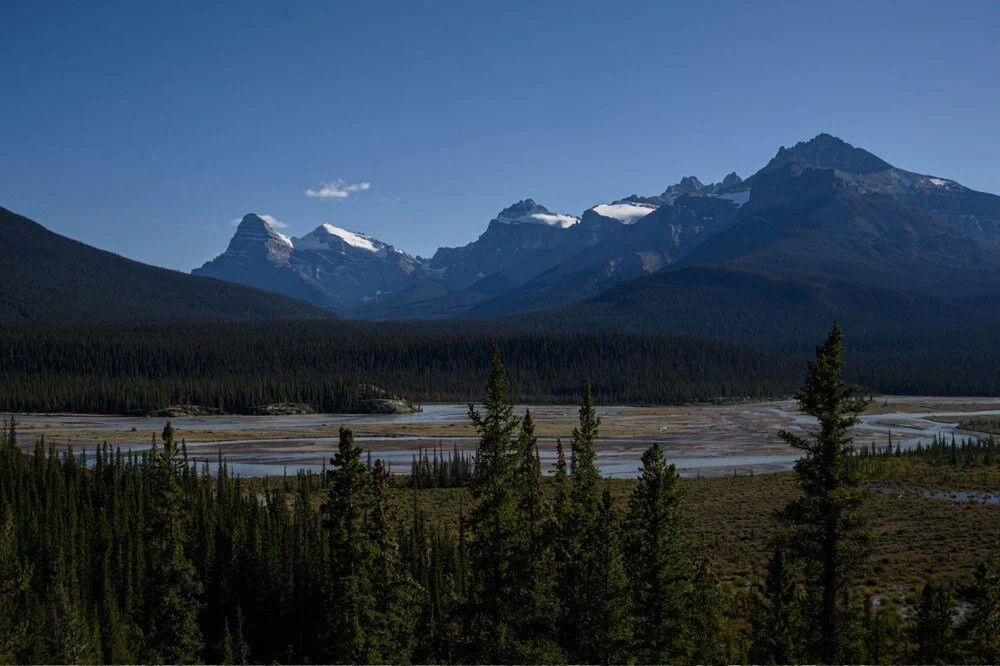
<point>274,222</point>
<point>270,219</point>
<point>338,189</point>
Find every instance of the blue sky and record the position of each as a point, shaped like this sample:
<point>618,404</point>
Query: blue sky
<point>144,129</point>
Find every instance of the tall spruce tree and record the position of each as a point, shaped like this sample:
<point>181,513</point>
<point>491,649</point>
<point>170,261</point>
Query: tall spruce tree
<point>560,481</point>
<point>352,607</point>
<point>14,579</point>
<point>493,523</point>
<point>69,635</point>
<point>658,564</point>
<point>585,496</point>
<point>778,626</point>
<point>710,637</point>
<point>827,517</point>
<point>396,591</point>
<point>534,592</point>
<point>980,631</point>
<point>606,623</point>
<point>933,630</point>
<point>173,588</point>
<point>589,575</point>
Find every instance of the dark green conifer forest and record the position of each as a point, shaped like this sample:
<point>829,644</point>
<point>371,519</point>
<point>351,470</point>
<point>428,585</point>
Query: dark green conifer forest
<point>239,368</point>
<point>149,558</point>
<point>235,368</point>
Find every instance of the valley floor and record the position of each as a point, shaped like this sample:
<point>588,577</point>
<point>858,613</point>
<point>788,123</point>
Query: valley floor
<point>702,440</point>
<point>921,525</point>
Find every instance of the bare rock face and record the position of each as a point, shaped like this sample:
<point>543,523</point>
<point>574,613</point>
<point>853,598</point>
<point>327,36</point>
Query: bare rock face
<point>374,400</point>
<point>283,409</point>
<point>255,239</point>
<point>179,411</point>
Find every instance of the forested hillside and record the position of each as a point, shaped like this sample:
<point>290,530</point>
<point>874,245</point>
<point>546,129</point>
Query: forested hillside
<point>46,278</point>
<point>901,341</point>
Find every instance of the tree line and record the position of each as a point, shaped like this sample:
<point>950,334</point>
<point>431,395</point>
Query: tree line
<point>236,368</point>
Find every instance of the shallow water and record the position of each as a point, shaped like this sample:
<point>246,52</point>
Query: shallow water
<point>701,451</point>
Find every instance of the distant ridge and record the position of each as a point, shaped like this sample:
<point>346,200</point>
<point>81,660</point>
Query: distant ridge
<point>46,278</point>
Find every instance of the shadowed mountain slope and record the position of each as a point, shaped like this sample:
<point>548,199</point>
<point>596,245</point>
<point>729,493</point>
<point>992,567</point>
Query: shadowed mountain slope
<point>48,278</point>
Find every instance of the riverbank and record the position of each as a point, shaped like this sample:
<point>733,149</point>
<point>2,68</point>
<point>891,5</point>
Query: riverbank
<point>702,440</point>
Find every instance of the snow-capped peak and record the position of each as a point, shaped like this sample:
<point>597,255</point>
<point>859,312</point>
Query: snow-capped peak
<point>626,212</point>
<point>363,241</point>
<point>529,212</point>
<point>320,239</point>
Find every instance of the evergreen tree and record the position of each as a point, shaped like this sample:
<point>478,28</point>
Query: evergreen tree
<point>173,633</point>
<point>14,579</point>
<point>351,603</point>
<point>933,631</point>
<point>595,605</point>
<point>585,496</point>
<point>69,635</point>
<point>561,535</point>
<point>116,631</point>
<point>533,557</point>
<point>605,624</point>
<point>226,653</point>
<point>394,588</point>
<point>560,480</point>
<point>658,565</point>
<point>885,640</point>
<point>493,523</point>
<point>241,650</point>
<point>852,630</point>
<point>980,632</point>
<point>778,626</point>
<point>706,624</point>
<point>828,522</point>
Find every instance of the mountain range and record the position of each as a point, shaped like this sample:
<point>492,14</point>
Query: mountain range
<point>822,211</point>
<point>824,230</point>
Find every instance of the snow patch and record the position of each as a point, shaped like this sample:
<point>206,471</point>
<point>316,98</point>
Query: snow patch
<point>940,182</point>
<point>554,220</point>
<point>316,241</point>
<point>362,241</point>
<point>627,213</point>
<point>738,197</point>
<point>528,212</point>
<point>287,240</point>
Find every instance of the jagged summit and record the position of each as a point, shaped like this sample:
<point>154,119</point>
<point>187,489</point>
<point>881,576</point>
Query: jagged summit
<point>688,185</point>
<point>829,152</point>
<point>256,238</point>
<point>253,224</point>
<point>527,211</point>
<point>522,208</point>
<point>731,180</point>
